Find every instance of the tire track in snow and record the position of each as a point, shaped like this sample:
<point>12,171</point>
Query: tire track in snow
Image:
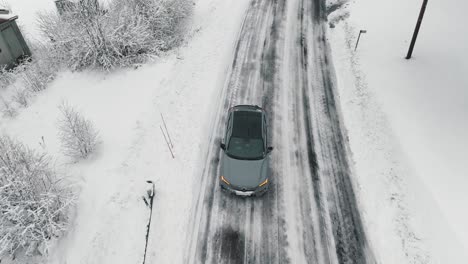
<point>241,231</point>
<point>332,158</point>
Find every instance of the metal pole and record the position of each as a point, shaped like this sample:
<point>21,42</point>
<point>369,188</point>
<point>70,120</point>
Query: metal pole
<point>167,142</point>
<point>416,30</point>
<point>150,205</point>
<point>167,131</point>
<point>359,37</point>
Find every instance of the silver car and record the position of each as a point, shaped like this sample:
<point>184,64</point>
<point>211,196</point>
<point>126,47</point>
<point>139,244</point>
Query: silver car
<point>246,154</point>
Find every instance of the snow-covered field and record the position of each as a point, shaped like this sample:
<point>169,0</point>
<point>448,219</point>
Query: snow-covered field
<point>406,124</point>
<point>405,121</point>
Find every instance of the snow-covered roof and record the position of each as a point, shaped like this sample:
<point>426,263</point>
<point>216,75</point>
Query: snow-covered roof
<point>7,17</point>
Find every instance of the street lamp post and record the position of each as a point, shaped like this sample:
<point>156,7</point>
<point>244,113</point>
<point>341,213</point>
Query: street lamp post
<point>416,30</point>
<point>359,37</point>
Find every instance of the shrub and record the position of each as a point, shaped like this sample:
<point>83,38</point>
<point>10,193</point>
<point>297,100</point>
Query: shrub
<point>7,77</point>
<point>36,74</point>
<point>31,76</point>
<point>127,32</point>
<point>78,137</point>
<point>8,109</point>
<point>33,203</point>
<point>21,97</point>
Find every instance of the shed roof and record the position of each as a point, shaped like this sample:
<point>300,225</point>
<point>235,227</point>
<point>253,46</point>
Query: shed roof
<point>7,17</point>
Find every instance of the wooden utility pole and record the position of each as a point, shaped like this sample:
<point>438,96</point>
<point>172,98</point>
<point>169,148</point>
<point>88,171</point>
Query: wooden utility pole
<point>416,30</point>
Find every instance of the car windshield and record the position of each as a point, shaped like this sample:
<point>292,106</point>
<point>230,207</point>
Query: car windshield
<point>246,139</point>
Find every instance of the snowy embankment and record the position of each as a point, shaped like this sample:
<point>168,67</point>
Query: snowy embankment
<point>405,125</point>
<point>126,107</point>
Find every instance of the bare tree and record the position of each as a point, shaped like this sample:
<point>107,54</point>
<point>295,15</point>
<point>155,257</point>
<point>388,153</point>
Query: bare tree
<point>78,136</point>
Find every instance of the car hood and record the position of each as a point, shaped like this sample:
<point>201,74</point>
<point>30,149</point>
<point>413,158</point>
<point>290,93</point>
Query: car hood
<point>244,173</point>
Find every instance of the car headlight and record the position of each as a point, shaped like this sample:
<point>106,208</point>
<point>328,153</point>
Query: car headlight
<point>224,180</point>
<point>263,183</point>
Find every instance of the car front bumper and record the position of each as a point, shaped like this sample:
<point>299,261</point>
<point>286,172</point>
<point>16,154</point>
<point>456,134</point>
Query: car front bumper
<point>259,191</point>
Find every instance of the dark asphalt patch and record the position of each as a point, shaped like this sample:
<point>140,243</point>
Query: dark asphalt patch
<point>232,245</point>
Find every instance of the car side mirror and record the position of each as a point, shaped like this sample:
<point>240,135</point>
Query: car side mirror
<point>269,149</point>
<point>223,146</point>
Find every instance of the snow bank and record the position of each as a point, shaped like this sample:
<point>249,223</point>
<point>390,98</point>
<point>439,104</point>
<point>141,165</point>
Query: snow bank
<point>405,126</point>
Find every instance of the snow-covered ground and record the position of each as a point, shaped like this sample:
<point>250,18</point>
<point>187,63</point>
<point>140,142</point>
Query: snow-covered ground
<point>126,108</point>
<point>406,125</point>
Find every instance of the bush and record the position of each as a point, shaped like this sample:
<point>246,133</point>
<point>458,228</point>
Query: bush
<point>126,33</point>
<point>7,77</point>
<point>8,109</point>
<point>78,137</point>
<point>33,203</point>
<point>30,76</point>
<point>25,80</point>
<point>36,75</point>
<point>21,97</point>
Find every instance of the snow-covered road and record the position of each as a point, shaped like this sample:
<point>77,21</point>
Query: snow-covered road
<point>310,215</point>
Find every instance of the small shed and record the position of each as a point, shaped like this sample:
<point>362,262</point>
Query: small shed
<point>13,48</point>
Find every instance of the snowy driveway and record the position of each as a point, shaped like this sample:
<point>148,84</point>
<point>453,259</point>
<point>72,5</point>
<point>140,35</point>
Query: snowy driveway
<point>310,215</point>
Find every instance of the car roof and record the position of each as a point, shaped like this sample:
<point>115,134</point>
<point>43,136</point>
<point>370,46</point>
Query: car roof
<point>247,124</point>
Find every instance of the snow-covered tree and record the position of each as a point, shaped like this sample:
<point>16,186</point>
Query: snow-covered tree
<point>78,136</point>
<point>123,33</point>
<point>34,204</point>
